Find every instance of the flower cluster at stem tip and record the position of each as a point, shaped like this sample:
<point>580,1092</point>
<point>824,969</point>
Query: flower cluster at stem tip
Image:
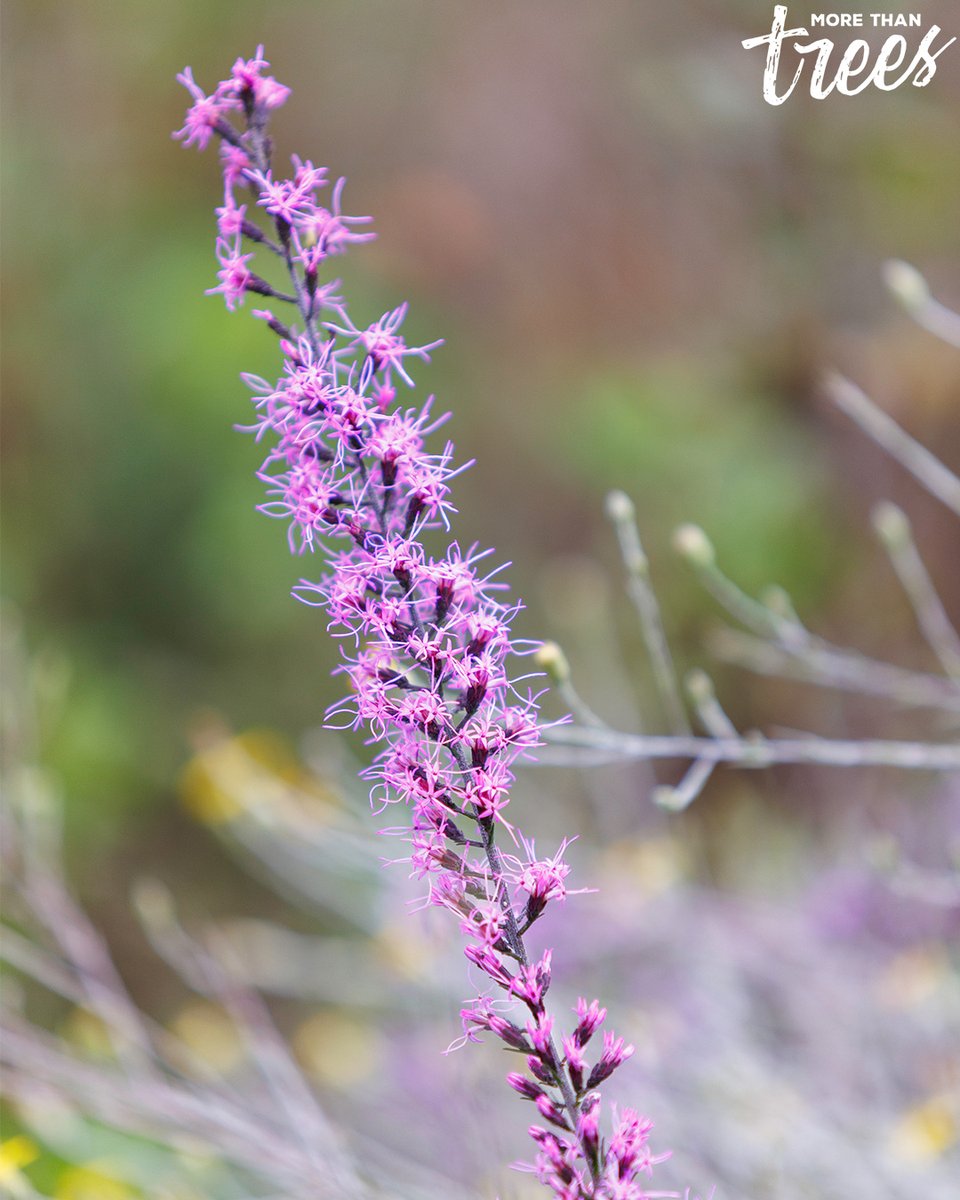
<point>426,638</point>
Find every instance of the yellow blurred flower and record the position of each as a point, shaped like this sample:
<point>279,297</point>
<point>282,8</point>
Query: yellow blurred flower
<point>87,1032</point>
<point>92,1182</point>
<point>208,1033</point>
<point>16,1153</point>
<point>337,1049</point>
<point>927,1131</point>
<point>233,773</point>
<point>403,948</point>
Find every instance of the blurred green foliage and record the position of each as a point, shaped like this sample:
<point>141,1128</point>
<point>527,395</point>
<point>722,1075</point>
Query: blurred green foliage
<point>684,446</point>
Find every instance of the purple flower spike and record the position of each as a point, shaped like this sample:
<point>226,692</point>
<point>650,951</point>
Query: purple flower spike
<point>426,645</point>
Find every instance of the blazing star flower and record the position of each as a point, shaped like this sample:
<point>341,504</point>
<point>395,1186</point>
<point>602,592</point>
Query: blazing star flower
<point>235,164</point>
<point>206,116</point>
<point>384,346</point>
<point>330,230</point>
<point>288,199</point>
<point>235,278</point>
<point>542,880</point>
<point>426,642</point>
<point>247,81</point>
<point>230,219</point>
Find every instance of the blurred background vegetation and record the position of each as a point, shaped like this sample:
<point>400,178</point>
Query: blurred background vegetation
<point>640,271</point>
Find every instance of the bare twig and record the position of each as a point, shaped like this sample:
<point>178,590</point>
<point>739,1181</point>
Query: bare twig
<point>209,973</point>
<point>893,528</point>
<point>756,750</point>
<point>939,480</point>
<point>844,670</point>
<point>551,658</point>
<point>704,699</point>
<point>677,798</point>
<point>780,645</point>
<point>622,513</point>
<point>910,288</point>
<point>693,545</point>
<point>34,822</point>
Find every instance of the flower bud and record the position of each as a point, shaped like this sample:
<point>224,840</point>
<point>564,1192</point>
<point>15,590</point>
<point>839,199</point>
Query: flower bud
<point>620,507</point>
<point>524,1086</point>
<point>699,687</point>
<point>691,543</point>
<point>551,658</point>
<point>891,524</point>
<point>905,284</point>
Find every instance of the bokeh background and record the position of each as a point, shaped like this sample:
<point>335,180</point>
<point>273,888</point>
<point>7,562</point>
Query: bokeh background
<point>641,272</point>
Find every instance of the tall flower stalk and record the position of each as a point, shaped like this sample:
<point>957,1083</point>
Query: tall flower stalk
<point>426,638</point>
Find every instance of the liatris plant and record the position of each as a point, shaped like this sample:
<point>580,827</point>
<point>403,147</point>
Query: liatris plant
<point>427,642</point>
